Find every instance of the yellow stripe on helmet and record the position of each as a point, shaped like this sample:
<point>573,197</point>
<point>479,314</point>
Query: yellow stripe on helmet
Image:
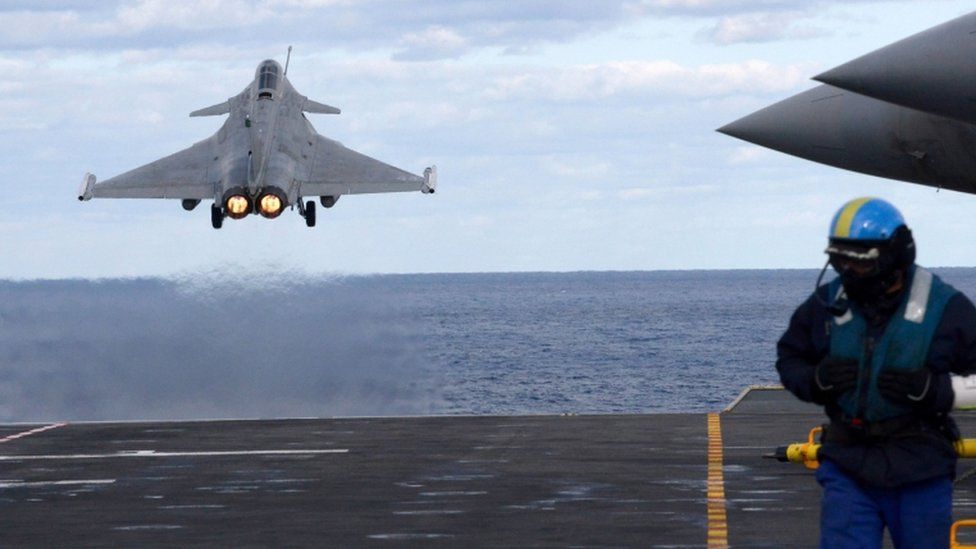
<point>842,229</point>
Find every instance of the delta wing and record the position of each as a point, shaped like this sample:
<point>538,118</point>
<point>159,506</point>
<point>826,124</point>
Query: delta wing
<point>337,170</point>
<point>190,173</point>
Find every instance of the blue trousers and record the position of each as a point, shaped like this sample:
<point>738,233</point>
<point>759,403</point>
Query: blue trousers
<point>854,516</point>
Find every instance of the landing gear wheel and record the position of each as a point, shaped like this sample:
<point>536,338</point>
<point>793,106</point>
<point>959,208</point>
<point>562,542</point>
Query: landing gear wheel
<point>216,216</point>
<point>310,213</point>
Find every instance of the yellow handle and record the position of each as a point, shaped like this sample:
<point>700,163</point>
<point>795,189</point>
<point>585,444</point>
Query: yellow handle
<point>805,452</point>
<point>953,542</point>
<point>810,460</point>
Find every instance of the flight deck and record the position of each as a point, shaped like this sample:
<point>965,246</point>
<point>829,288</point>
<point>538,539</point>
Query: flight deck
<point>666,480</point>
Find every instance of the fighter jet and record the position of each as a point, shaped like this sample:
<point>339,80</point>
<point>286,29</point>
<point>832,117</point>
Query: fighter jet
<point>905,112</point>
<point>265,158</point>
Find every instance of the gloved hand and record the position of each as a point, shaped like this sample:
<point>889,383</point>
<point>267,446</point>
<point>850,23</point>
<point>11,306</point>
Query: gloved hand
<point>834,376</point>
<point>912,388</point>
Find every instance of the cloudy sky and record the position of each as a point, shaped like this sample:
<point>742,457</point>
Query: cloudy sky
<point>569,134</point>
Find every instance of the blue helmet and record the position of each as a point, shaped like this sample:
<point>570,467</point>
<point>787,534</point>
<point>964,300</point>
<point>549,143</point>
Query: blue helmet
<point>866,219</point>
<point>870,247</point>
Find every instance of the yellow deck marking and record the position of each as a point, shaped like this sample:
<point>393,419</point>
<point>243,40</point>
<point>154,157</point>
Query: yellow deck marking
<point>718,526</point>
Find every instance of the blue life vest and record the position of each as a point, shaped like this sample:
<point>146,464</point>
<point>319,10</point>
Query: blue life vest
<point>904,345</point>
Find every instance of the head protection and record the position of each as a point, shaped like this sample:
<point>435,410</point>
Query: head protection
<point>870,247</point>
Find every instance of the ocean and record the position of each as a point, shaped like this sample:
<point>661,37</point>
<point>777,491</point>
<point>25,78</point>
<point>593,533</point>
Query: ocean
<point>232,345</point>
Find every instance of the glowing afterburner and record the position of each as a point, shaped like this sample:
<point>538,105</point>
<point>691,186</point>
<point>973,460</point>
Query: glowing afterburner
<point>237,206</point>
<point>270,205</point>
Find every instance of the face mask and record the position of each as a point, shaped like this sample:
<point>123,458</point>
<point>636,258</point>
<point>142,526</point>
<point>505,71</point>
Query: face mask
<point>861,289</point>
<point>871,289</point>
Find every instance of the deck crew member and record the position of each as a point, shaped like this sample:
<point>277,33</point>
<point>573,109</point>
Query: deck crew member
<point>876,347</point>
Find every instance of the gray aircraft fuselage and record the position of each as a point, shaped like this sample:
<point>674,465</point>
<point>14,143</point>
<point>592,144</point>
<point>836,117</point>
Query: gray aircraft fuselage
<point>265,141</point>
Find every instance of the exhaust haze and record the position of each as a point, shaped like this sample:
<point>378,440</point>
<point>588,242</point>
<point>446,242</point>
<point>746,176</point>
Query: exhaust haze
<point>267,346</point>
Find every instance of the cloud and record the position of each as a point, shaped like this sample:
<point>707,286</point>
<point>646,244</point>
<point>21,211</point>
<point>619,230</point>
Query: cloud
<point>576,167</point>
<point>711,8</point>
<point>720,7</point>
<point>200,15</point>
<point>434,42</point>
<point>442,29</point>
<point>760,27</point>
<point>308,3</point>
<point>35,27</point>
<point>593,82</point>
<point>751,21</point>
<point>635,193</point>
<point>749,154</point>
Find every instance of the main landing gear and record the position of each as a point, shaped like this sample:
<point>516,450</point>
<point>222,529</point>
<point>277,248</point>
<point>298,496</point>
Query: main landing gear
<point>216,216</point>
<point>307,211</point>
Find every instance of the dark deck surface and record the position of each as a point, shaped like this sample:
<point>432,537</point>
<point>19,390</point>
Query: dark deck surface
<point>590,481</point>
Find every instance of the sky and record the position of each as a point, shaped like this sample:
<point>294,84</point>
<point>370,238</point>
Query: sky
<point>569,135</point>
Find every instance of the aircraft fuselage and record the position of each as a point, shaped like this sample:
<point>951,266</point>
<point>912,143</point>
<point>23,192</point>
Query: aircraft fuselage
<point>264,158</point>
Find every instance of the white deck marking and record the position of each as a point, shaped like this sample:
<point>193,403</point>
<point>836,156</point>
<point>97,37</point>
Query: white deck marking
<point>34,484</point>
<point>149,527</point>
<point>155,454</point>
<point>32,432</point>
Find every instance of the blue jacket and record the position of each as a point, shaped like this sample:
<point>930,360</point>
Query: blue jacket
<point>946,343</point>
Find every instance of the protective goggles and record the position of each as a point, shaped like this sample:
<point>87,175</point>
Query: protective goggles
<point>858,261</point>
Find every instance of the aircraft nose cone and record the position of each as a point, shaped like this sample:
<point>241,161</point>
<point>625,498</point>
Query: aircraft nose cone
<point>795,125</point>
<point>735,129</point>
<point>933,71</point>
<point>759,128</point>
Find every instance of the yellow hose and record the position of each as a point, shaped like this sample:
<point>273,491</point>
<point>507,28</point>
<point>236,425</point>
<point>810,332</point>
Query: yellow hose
<point>966,447</point>
<point>808,452</point>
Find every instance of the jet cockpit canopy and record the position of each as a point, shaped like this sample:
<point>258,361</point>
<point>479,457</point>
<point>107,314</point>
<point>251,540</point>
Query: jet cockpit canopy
<point>269,77</point>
